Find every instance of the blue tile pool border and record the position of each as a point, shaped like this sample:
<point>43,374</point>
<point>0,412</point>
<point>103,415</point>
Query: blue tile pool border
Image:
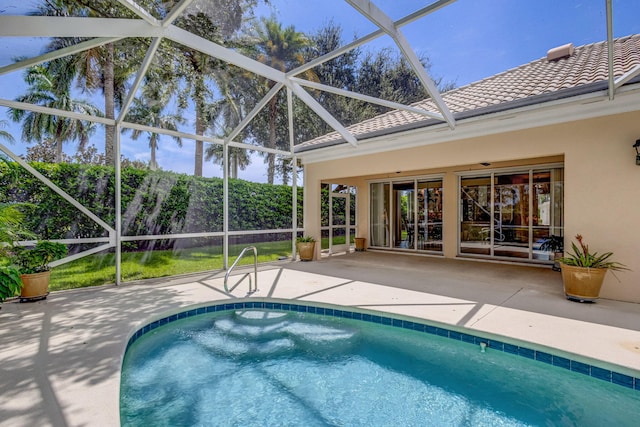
<point>491,344</point>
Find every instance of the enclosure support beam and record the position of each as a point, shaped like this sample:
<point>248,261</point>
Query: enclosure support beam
<point>369,37</point>
<point>118,203</point>
<point>366,98</point>
<point>111,239</point>
<point>138,10</point>
<point>254,112</point>
<point>60,53</point>
<point>378,17</point>
<point>294,176</point>
<point>324,114</point>
<point>612,87</point>
<point>635,71</point>
<point>75,26</point>
<point>46,181</point>
<point>225,205</point>
<point>55,112</point>
<point>146,63</point>
<point>173,15</point>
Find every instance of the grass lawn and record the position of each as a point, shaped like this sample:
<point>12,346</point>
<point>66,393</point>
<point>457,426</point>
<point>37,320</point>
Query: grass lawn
<point>100,269</point>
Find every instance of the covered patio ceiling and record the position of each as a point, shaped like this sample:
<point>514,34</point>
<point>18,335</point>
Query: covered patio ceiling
<point>101,31</point>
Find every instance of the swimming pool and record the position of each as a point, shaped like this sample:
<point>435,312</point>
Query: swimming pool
<point>262,363</point>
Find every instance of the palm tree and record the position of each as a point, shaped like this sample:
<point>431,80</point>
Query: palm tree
<point>97,68</point>
<point>281,49</point>
<point>226,114</point>
<point>149,112</point>
<point>158,90</point>
<point>3,133</point>
<point>217,21</point>
<point>196,68</point>
<point>48,91</point>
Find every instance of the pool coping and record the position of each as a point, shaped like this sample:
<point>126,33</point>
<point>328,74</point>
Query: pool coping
<point>600,370</point>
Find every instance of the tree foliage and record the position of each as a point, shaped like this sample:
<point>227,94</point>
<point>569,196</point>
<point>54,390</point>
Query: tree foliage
<point>149,109</point>
<point>50,90</point>
<point>282,49</point>
<point>219,94</point>
<point>153,202</point>
<point>4,135</point>
<point>384,74</point>
<point>105,68</point>
<point>217,21</point>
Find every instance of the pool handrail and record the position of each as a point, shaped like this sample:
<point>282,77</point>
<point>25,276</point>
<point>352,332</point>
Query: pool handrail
<point>255,268</point>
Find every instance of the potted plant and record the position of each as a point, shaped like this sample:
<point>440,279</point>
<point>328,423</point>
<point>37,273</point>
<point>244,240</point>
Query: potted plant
<point>11,218</point>
<point>583,272</point>
<point>33,264</point>
<point>30,265</point>
<point>360,244</point>
<point>554,244</point>
<point>306,246</point>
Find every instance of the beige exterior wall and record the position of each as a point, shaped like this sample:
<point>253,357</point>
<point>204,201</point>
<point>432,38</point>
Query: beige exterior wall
<point>602,183</point>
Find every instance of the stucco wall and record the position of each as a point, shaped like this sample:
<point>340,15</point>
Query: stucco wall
<point>602,182</point>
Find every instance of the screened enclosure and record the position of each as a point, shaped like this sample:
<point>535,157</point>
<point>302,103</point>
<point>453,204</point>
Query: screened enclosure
<point>163,137</point>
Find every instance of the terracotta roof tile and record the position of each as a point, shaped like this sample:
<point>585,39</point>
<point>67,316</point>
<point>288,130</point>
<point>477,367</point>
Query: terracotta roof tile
<point>588,64</point>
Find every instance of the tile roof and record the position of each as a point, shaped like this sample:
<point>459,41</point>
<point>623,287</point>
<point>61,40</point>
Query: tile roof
<point>587,65</point>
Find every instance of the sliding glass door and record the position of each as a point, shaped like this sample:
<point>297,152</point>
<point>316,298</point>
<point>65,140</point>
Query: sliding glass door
<point>338,218</point>
<point>407,214</point>
<point>510,214</point>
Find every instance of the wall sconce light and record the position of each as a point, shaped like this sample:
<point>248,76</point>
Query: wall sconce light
<point>637,147</point>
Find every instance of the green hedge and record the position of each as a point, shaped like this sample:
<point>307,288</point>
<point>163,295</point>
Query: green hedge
<point>153,202</point>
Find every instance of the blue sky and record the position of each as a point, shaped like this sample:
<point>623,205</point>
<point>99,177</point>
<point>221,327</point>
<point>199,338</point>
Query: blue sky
<point>465,41</point>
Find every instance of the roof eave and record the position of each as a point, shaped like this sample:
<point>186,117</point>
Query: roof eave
<point>567,105</point>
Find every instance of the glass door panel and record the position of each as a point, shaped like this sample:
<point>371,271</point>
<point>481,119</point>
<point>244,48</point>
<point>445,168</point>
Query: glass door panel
<point>430,215</point>
<point>339,219</point>
<point>475,216</point>
<point>380,208</point>
<point>325,190</point>
<point>511,215</point>
<point>352,214</point>
<point>547,212</point>
<point>404,215</point>
<point>541,214</point>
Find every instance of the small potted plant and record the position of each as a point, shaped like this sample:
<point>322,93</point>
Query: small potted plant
<point>29,264</point>
<point>554,244</point>
<point>583,271</point>
<point>33,264</point>
<point>360,243</point>
<point>306,246</point>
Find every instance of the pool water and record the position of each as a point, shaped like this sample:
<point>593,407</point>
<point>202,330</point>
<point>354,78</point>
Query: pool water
<point>269,368</point>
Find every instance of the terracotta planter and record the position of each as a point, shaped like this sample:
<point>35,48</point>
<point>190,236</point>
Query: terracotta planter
<point>360,243</point>
<point>306,250</point>
<point>35,286</point>
<point>582,283</point>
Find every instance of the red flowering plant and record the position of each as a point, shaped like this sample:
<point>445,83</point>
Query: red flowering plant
<point>581,257</point>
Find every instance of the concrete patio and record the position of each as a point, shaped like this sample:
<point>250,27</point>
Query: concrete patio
<point>60,358</point>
